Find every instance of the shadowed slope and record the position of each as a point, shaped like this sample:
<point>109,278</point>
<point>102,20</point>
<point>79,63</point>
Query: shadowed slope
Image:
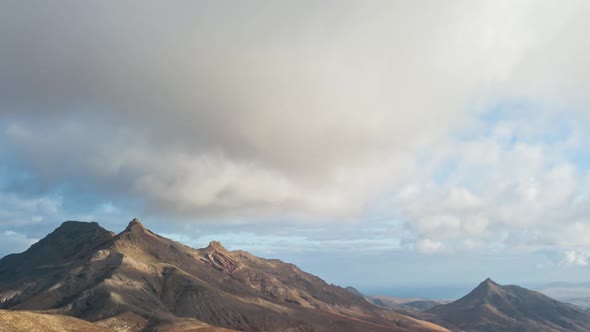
<point>70,241</point>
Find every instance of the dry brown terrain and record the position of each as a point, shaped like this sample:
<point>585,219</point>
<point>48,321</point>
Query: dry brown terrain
<point>24,321</point>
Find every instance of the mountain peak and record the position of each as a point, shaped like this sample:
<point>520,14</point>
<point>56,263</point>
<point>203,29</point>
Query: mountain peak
<point>486,289</point>
<point>135,225</point>
<point>76,229</point>
<point>489,282</point>
<point>70,240</point>
<point>493,307</point>
<point>75,225</point>
<point>215,245</point>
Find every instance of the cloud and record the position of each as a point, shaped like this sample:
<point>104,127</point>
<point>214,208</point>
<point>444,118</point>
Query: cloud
<point>306,117</point>
<point>463,121</point>
<point>575,258</point>
<point>521,193</point>
<point>428,246</point>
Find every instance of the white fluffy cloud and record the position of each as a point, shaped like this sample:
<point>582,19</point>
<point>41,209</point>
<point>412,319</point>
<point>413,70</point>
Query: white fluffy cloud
<point>575,258</point>
<point>505,188</point>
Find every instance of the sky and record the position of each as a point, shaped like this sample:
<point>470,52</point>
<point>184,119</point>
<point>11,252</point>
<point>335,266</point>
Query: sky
<point>387,145</point>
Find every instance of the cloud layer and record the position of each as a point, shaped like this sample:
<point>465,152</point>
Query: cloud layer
<point>457,125</point>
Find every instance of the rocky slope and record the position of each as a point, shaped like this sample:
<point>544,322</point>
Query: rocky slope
<point>139,281</point>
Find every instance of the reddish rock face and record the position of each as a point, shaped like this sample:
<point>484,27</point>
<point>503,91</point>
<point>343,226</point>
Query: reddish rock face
<point>217,257</point>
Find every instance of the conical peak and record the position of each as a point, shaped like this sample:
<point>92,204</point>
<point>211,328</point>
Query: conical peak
<point>488,287</point>
<point>489,282</point>
<point>135,225</point>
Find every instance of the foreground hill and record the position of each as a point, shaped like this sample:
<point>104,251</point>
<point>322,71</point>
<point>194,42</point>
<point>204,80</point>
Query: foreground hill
<point>139,281</point>
<point>495,308</point>
<point>24,321</point>
<point>28,321</point>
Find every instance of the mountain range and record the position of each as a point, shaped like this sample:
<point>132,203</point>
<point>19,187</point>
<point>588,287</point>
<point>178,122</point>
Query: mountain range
<point>82,277</point>
<point>139,281</point>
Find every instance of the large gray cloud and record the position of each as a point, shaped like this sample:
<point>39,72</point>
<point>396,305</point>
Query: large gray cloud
<point>263,109</point>
<point>213,107</point>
